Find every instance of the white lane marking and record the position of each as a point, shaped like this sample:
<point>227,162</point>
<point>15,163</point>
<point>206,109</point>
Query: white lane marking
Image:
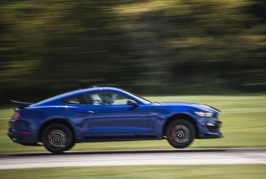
<point>197,158</point>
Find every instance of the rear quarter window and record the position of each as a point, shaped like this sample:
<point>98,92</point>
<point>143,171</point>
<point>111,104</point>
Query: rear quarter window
<point>72,100</point>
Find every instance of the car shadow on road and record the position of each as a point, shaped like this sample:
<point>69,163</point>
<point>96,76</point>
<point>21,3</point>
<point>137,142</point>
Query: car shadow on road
<point>109,152</point>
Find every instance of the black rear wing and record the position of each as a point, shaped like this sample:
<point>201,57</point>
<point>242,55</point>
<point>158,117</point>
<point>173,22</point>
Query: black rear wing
<point>19,104</point>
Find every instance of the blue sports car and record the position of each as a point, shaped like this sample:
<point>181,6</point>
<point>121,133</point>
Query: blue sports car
<point>109,114</point>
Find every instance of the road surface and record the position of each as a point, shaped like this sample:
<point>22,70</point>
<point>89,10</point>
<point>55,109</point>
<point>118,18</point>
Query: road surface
<point>135,157</point>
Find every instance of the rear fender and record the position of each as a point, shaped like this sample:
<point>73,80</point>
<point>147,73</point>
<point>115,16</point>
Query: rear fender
<point>64,121</point>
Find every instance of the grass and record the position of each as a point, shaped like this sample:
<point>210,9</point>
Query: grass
<point>197,172</point>
<point>243,117</point>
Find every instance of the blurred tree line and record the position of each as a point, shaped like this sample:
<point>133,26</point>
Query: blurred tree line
<point>148,46</point>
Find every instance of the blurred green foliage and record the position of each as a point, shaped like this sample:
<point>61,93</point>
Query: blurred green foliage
<point>148,46</point>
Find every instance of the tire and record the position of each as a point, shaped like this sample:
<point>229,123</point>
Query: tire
<point>57,138</point>
<point>180,133</point>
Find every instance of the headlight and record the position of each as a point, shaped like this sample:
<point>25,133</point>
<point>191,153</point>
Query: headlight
<point>204,114</point>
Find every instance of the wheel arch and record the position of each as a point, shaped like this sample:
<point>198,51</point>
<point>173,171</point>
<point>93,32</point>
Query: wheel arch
<point>56,120</point>
<point>178,117</point>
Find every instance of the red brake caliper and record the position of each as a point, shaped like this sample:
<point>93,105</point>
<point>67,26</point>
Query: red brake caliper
<point>49,137</point>
<point>173,133</point>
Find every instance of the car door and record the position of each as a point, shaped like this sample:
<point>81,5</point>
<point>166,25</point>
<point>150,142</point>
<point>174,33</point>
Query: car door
<point>109,115</point>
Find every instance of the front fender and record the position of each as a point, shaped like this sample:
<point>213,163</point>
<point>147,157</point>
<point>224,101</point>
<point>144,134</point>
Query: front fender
<point>180,115</point>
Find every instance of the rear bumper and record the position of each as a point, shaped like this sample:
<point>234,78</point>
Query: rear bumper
<point>20,132</point>
<point>21,136</point>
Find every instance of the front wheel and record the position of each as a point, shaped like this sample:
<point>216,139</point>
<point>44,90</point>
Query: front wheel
<point>57,138</point>
<point>180,133</point>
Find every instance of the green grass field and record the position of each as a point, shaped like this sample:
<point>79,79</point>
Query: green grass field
<point>199,171</point>
<point>243,117</point>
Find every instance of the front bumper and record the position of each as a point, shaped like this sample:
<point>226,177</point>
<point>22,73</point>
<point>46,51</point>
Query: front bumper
<point>210,128</point>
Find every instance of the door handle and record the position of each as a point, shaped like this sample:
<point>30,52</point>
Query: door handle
<point>90,112</point>
<point>87,112</point>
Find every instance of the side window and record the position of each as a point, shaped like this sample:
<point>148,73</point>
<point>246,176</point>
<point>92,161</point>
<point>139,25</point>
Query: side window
<point>106,98</point>
<point>93,99</point>
<point>120,99</point>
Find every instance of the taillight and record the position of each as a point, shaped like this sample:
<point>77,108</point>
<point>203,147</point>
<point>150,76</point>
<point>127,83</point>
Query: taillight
<point>15,116</point>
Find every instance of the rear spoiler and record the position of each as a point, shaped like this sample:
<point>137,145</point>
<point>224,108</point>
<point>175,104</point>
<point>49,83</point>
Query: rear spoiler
<point>19,104</point>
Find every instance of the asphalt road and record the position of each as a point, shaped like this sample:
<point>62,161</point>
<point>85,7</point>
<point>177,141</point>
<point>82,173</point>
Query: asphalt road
<point>135,157</point>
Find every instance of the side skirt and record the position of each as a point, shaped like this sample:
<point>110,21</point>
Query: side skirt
<point>113,139</point>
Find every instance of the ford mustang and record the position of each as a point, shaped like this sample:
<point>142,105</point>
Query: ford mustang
<point>109,114</point>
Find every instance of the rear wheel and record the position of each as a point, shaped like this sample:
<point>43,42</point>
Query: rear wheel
<point>180,133</point>
<point>57,138</point>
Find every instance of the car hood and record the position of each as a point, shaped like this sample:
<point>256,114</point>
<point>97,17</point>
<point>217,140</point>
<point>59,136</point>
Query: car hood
<point>195,105</point>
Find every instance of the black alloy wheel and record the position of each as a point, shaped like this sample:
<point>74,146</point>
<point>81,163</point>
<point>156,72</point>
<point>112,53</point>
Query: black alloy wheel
<point>57,138</point>
<point>180,133</point>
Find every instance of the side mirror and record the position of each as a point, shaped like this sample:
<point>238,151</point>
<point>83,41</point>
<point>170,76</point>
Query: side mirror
<point>132,102</point>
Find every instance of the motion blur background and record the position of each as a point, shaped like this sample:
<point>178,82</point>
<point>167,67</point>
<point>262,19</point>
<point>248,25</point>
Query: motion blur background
<point>151,47</point>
